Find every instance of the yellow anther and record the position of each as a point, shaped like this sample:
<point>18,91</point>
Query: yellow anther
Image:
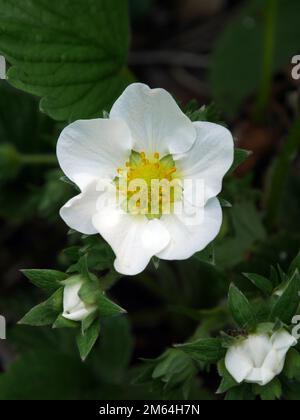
<point>171,171</point>
<point>146,168</point>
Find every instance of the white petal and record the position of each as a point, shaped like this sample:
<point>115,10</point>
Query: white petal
<point>79,211</point>
<point>155,120</point>
<point>274,362</point>
<point>190,234</point>
<point>260,376</point>
<point>258,347</point>
<point>79,314</point>
<point>282,340</point>
<point>238,364</point>
<point>134,239</point>
<point>74,308</point>
<point>208,160</point>
<point>92,149</point>
<point>71,298</point>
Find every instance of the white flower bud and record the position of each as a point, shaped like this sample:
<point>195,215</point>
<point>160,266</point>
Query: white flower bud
<point>74,308</point>
<point>259,358</point>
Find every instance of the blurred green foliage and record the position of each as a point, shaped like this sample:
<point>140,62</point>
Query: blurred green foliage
<point>239,53</point>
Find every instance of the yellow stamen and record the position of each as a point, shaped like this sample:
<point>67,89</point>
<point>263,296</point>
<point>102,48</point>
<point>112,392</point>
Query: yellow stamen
<point>147,169</point>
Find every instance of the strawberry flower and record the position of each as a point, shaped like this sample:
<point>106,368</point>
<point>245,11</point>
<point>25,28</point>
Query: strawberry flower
<point>146,145</point>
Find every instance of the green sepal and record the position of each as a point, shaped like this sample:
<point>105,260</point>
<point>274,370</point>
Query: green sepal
<point>87,340</point>
<point>62,322</point>
<point>46,313</point>
<point>241,309</point>
<point>269,392</point>
<point>285,306</point>
<point>227,382</point>
<point>206,350</point>
<point>48,280</point>
<point>261,282</point>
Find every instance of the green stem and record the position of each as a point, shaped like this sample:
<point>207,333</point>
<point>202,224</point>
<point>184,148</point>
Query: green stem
<point>268,60</point>
<point>38,159</point>
<point>281,171</point>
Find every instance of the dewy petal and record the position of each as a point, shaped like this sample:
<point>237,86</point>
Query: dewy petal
<point>190,234</point>
<point>208,160</point>
<point>79,211</point>
<point>92,149</point>
<point>155,120</point>
<point>238,364</point>
<point>134,239</point>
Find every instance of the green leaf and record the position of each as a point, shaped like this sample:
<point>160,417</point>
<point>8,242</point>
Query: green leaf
<point>72,53</point>
<point>240,156</point>
<point>88,321</point>
<point>108,308</point>
<point>247,228</point>
<point>209,113</point>
<point>168,364</point>
<point>114,351</point>
<point>48,280</point>
<point>83,268</point>
<point>45,375</point>
<point>225,203</point>
<point>90,292</point>
<point>62,322</point>
<point>292,365</point>
<point>241,309</point>
<point>274,277</point>
<point>46,313</point>
<point>262,283</point>
<point>269,392</point>
<point>285,307</point>
<point>173,370</point>
<point>207,255</point>
<point>295,265</point>
<point>207,350</point>
<point>291,390</point>
<point>240,393</point>
<point>227,380</point>
<point>86,341</point>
